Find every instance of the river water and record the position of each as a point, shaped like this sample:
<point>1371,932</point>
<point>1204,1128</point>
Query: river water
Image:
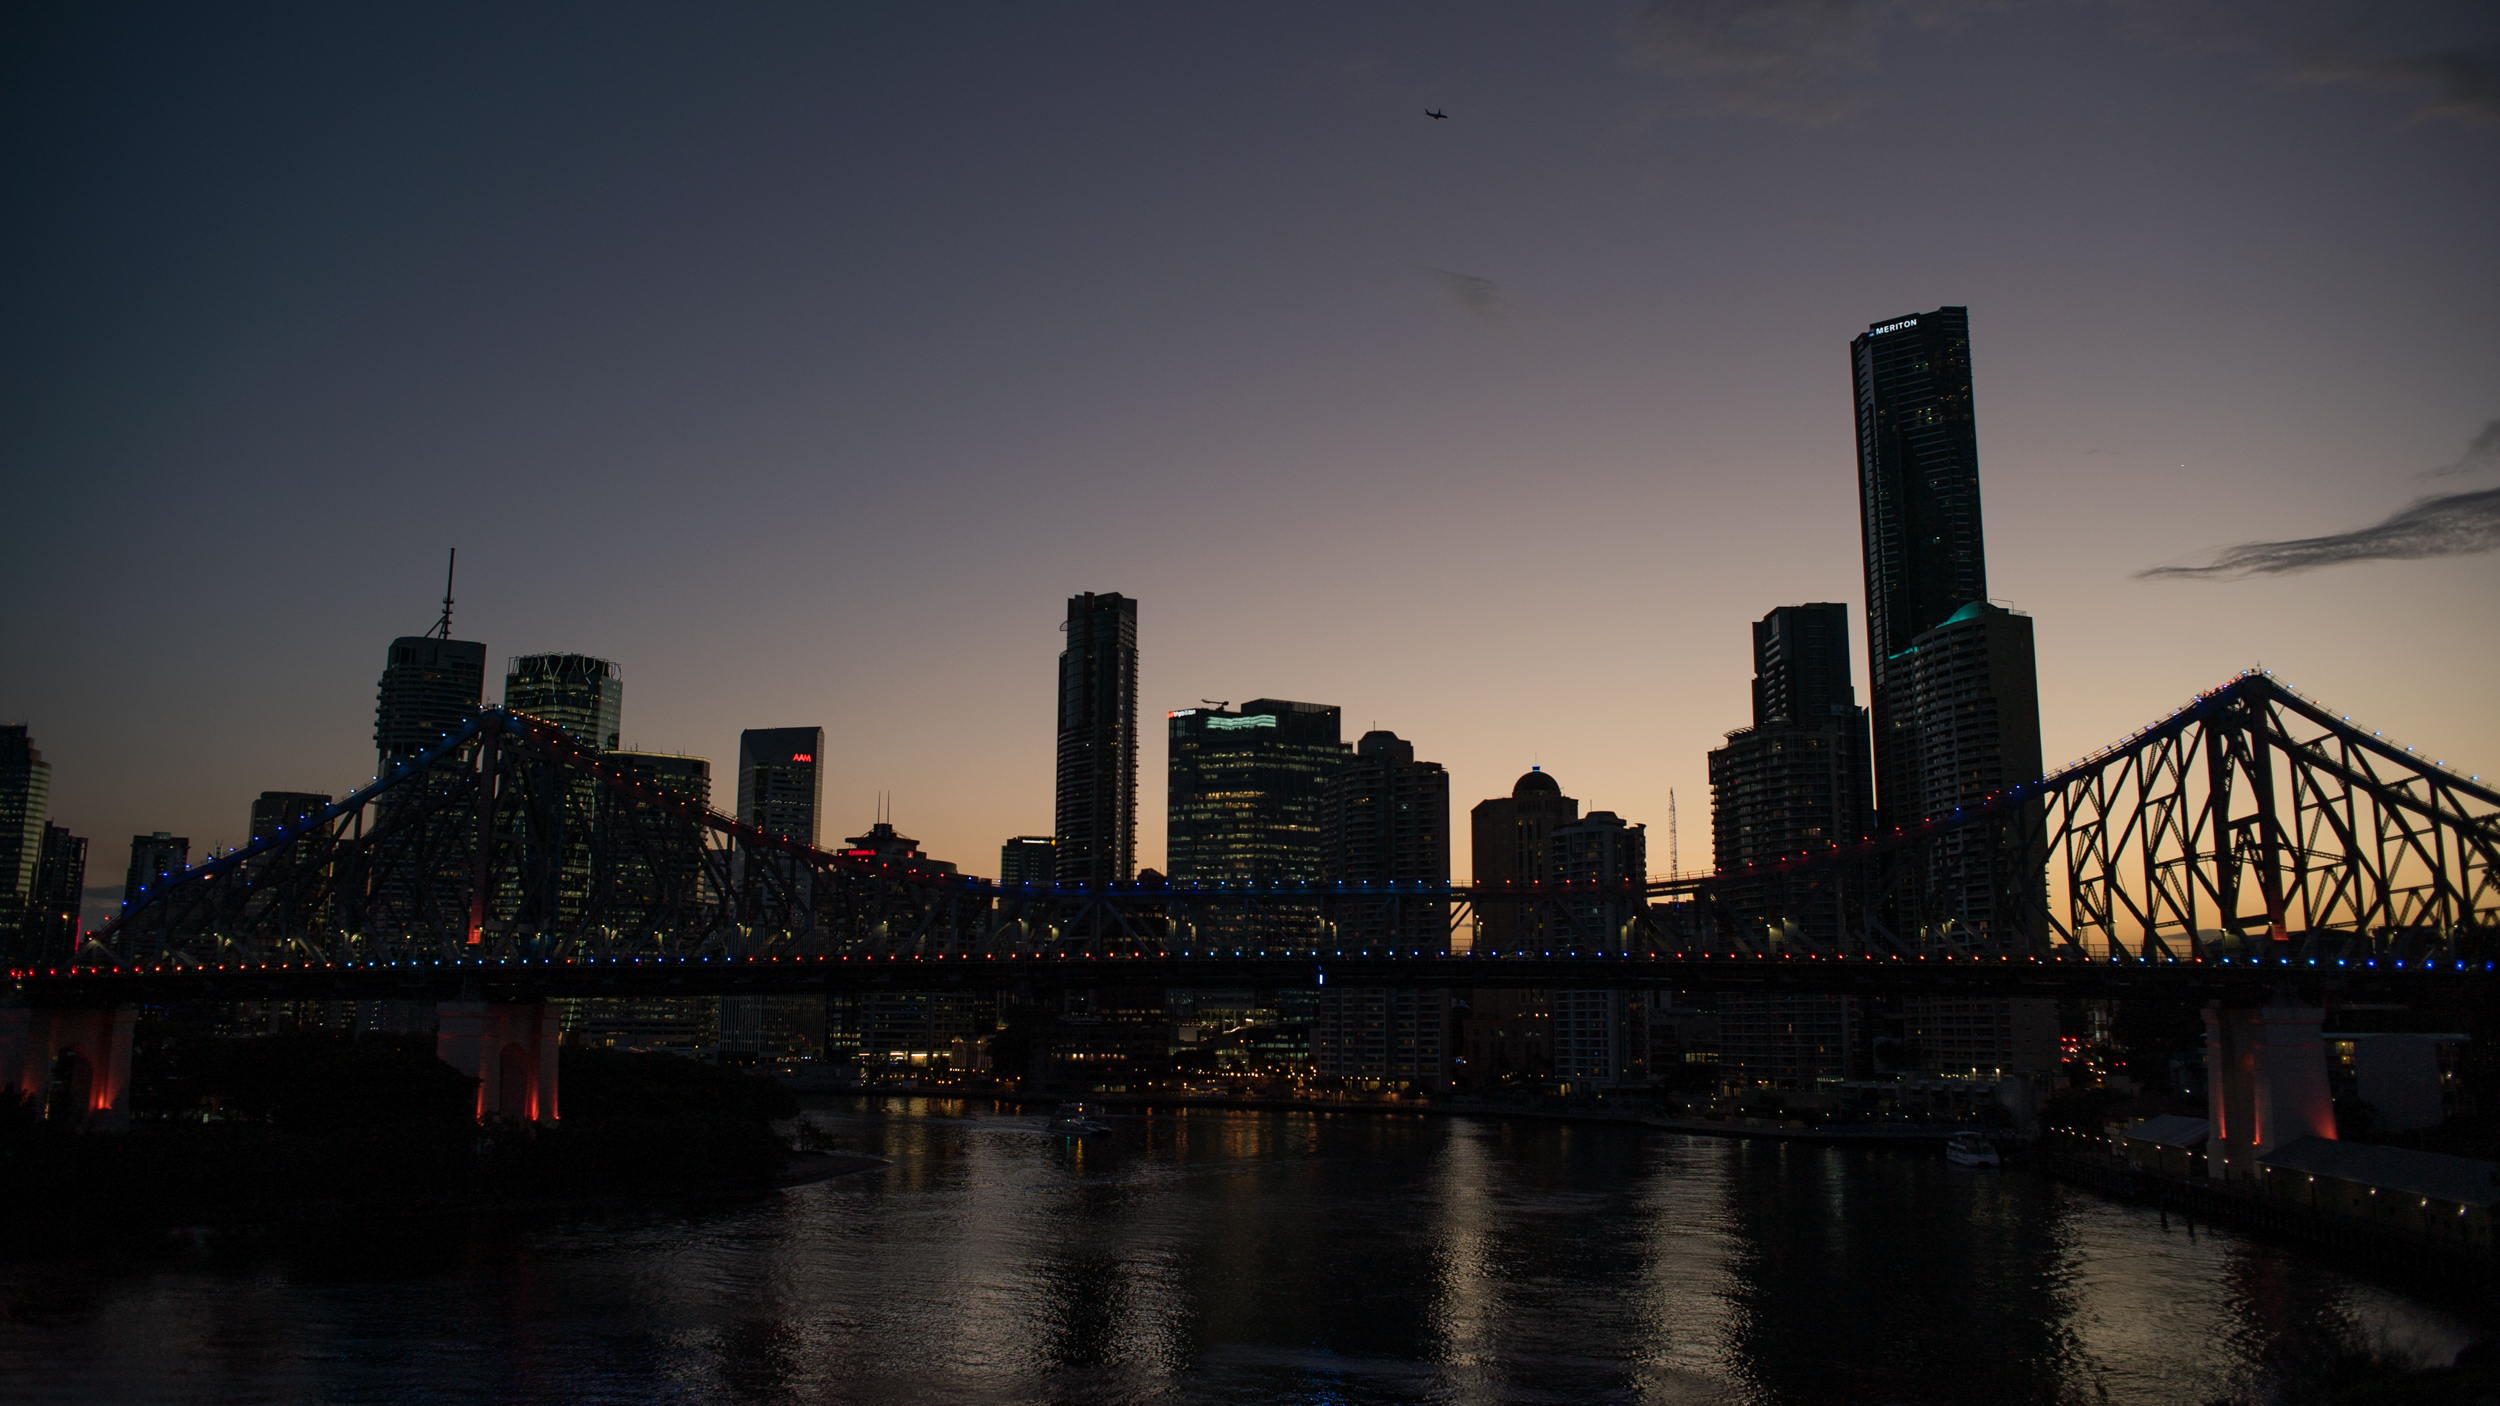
<point>1225,1257</point>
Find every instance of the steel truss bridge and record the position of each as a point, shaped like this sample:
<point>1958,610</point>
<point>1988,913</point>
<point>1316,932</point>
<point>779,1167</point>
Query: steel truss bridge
<point>2252,837</point>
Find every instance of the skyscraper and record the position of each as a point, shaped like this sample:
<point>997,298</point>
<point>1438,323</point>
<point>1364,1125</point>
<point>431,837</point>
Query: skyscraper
<point>651,857</point>
<point>152,857</point>
<point>1797,779</point>
<point>582,695</point>
<point>1028,859</point>
<point>586,698</point>
<point>1385,819</point>
<point>1918,500</point>
<point>781,780</point>
<point>25,799</point>
<point>1245,793</point>
<point>781,791</point>
<point>430,685</point>
<point>1509,847</point>
<point>52,923</point>
<point>1097,803</point>
<point>273,811</point>
<point>1976,692</point>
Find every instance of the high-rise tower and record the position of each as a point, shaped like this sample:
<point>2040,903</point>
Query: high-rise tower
<point>1796,780</point>
<point>25,799</point>
<point>1386,821</point>
<point>1918,502</point>
<point>781,780</point>
<point>1097,809</point>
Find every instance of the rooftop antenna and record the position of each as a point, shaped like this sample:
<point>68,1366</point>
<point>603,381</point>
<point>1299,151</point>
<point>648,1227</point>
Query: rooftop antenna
<point>442,627</point>
<point>1675,856</point>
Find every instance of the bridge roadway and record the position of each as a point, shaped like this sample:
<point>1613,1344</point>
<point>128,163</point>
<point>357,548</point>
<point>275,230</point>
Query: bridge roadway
<point>526,979</point>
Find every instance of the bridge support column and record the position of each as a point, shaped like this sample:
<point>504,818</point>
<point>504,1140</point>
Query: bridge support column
<point>73,1065</point>
<point>509,1047</point>
<point>2265,1078</point>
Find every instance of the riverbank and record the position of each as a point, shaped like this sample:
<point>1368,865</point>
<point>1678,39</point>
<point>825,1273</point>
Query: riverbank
<point>1915,1134</point>
<point>2244,1206</point>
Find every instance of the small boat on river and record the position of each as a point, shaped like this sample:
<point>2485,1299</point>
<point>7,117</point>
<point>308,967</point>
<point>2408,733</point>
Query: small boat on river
<point>1077,1118</point>
<point>1967,1149</point>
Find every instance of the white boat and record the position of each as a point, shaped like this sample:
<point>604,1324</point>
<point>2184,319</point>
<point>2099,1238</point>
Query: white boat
<point>1971,1150</point>
<point>1077,1118</point>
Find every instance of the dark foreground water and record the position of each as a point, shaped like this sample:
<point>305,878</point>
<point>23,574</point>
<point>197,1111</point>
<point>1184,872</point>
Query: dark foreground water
<point>1241,1257</point>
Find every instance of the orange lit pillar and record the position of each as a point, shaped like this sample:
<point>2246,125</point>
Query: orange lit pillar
<point>72,1064</point>
<point>510,1048</point>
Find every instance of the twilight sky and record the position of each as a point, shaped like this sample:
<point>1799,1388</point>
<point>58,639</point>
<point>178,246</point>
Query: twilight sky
<point>804,358</point>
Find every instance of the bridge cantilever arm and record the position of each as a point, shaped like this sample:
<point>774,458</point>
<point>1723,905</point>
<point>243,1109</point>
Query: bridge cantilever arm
<point>209,869</point>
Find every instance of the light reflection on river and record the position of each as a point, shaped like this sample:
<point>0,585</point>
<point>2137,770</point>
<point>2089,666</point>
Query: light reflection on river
<point>1239,1257</point>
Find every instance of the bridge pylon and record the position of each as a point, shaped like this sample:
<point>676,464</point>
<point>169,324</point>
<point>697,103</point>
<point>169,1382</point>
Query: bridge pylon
<point>509,1047</point>
<point>72,1063</point>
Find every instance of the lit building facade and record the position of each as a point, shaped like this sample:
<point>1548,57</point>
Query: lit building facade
<point>586,698</point>
<point>1028,860</point>
<point>1246,791</point>
<point>420,873</point>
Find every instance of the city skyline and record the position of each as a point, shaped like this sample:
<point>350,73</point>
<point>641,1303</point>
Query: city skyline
<point>1587,330</point>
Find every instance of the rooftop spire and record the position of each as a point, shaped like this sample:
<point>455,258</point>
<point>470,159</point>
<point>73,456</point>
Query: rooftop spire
<point>442,627</point>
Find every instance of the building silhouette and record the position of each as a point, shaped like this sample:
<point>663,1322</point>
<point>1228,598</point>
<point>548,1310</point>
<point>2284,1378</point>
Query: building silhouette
<point>273,811</point>
<point>1385,821</point>
<point>781,780</point>
<point>1918,499</point>
<point>585,697</point>
<point>1097,783</point>
<point>1954,690</point>
<point>781,788</point>
<point>430,685</point>
<point>25,801</point>
<point>152,858</point>
<point>1797,780</point>
<point>1028,859</point>
<point>51,924</point>
<point>1600,864</point>
<point>649,858</point>
<point>1974,686</point>
<point>1245,791</point>
<point>1508,835</point>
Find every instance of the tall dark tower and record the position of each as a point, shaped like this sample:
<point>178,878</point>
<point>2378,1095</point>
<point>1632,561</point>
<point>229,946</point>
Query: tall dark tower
<point>1918,500</point>
<point>1097,812</point>
<point>781,780</point>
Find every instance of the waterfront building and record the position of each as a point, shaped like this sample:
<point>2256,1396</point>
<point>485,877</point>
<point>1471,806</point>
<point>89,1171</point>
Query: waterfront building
<point>1097,780</point>
<point>900,1032</point>
<point>25,801</point>
<point>1385,822</point>
<point>1600,1039</point>
<point>1028,860</point>
<point>1598,868</point>
<point>152,857</point>
<point>1506,1036</point>
<point>1246,791</point>
<point>1389,1036</point>
<point>1796,781</point>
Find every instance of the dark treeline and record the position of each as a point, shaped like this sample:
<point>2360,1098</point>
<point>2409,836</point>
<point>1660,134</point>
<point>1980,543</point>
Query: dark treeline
<point>283,1128</point>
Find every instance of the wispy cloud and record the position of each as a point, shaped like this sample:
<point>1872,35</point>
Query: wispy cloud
<point>2483,453</point>
<point>1478,297</point>
<point>1791,60</point>
<point>1805,62</point>
<point>2451,525</point>
<point>2461,85</point>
